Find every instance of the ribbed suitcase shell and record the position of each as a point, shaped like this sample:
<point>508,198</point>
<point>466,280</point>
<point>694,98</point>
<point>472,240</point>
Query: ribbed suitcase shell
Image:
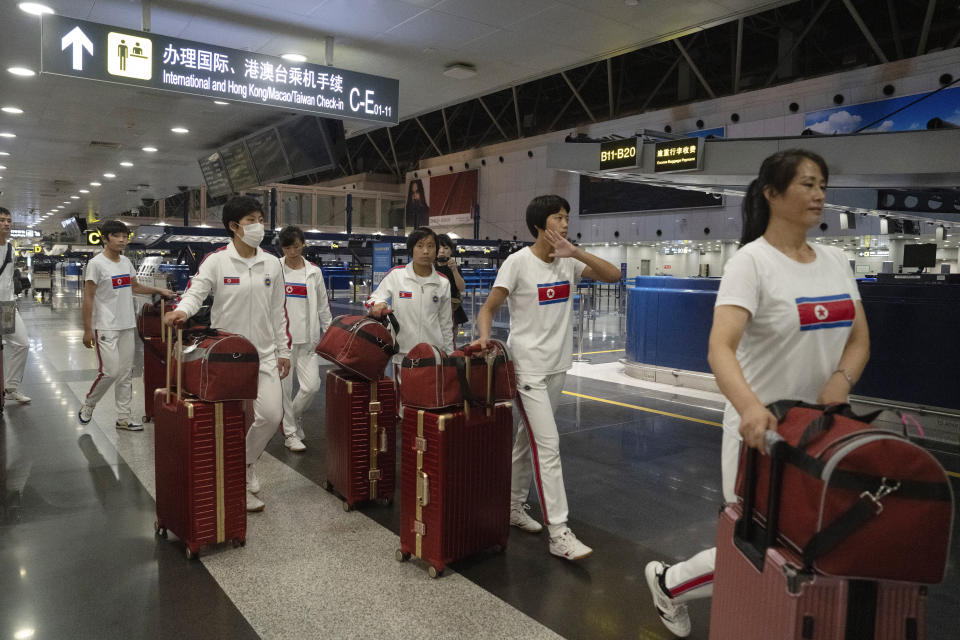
<point>753,605</point>
<point>455,484</point>
<point>200,475</point>
<point>356,437</point>
<point>154,370</point>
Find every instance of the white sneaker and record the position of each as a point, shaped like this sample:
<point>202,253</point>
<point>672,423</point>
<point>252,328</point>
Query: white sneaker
<point>567,546</point>
<point>14,394</point>
<point>254,503</point>
<point>253,482</point>
<point>674,617</point>
<point>129,425</point>
<point>294,444</point>
<point>85,415</point>
<point>520,519</point>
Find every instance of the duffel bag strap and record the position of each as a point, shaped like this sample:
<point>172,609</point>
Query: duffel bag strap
<point>867,507</point>
<point>825,422</point>
<point>460,364</point>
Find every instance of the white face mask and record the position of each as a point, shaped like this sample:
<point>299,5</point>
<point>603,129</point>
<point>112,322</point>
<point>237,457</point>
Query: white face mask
<point>253,234</point>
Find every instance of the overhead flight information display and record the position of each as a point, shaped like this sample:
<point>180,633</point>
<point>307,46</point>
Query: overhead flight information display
<point>112,54</point>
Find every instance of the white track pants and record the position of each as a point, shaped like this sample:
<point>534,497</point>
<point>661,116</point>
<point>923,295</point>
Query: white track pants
<point>693,578</point>
<point>306,363</point>
<point>538,457</point>
<point>16,346</point>
<point>267,409</point>
<point>115,359</point>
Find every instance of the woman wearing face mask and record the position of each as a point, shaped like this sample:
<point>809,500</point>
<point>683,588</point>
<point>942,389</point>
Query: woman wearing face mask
<point>447,265</point>
<point>248,299</point>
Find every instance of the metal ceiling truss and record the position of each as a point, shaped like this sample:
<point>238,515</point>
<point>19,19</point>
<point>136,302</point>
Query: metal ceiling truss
<point>803,39</point>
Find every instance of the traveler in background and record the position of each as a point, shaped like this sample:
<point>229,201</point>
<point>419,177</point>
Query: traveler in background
<point>16,344</point>
<point>538,283</point>
<point>109,323</point>
<point>788,325</point>
<point>447,265</point>
<point>248,299</point>
<point>308,312</point>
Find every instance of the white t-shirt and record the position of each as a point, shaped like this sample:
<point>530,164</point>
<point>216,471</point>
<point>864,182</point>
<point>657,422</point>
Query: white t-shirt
<point>6,278</point>
<point>801,316</point>
<point>541,310</point>
<point>295,286</point>
<point>113,302</point>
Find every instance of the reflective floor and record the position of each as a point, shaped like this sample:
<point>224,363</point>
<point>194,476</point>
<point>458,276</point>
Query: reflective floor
<point>79,559</point>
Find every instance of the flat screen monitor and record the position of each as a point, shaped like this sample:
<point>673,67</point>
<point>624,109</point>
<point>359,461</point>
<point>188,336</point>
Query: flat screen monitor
<point>920,256</point>
<point>307,145</point>
<point>239,166</point>
<point>268,156</point>
<point>215,175</point>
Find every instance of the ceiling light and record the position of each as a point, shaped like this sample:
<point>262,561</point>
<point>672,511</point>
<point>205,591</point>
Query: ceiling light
<point>460,71</point>
<point>74,197</point>
<point>60,207</point>
<point>4,153</point>
<point>21,71</point>
<point>180,130</point>
<point>220,102</point>
<point>7,134</point>
<point>12,110</point>
<point>84,191</point>
<point>150,149</point>
<point>294,57</point>
<point>94,184</point>
<point>66,202</point>
<point>109,175</point>
<point>2,167</point>
<point>35,8</point>
<point>125,163</point>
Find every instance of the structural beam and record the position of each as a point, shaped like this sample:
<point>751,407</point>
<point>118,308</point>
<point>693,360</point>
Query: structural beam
<point>694,68</point>
<point>516,112</point>
<point>737,64</point>
<point>927,20</point>
<point>393,151</point>
<point>656,89</point>
<point>895,28</point>
<point>803,34</point>
<point>610,85</point>
<point>446,129</point>
<point>380,153</point>
<point>424,129</point>
<point>493,117</point>
<point>570,99</point>
<point>865,31</point>
<point>576,94</point>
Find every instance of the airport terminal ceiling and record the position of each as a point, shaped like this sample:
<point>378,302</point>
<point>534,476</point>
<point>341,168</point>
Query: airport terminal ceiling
<point>531,60</point>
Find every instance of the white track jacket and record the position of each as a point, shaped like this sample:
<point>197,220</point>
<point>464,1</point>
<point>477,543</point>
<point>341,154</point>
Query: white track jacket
<point>247,298</point>
<point>318,306</point>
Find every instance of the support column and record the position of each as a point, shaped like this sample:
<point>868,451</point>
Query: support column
<point>727,249</point>
<point>896,252</point>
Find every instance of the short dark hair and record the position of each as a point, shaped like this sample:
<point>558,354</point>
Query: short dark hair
<point>541,208</point>
<point>5,212</point>
<point>443,240</point>
<point>417,235</point>
<point>238,207</point>
<point>110,227</point>
<point>290,234</point>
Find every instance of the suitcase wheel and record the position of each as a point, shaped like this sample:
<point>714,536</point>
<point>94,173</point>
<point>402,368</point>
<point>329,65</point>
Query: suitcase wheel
<point>347,507</point>
<point>433,572</point>
<point>148,418</point>
<point>327,486</point>
<point>402,556</point>
<point>191,554</point>
<point>158,530</point>
<point>239,543</point>
<point>384,502</point>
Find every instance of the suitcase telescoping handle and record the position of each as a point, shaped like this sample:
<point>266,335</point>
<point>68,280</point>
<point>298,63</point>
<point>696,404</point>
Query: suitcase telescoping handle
<point>752,540</point>
<point>179,358</point>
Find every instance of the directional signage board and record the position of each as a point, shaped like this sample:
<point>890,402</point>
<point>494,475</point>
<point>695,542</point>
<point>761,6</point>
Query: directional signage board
<point>111,54</point>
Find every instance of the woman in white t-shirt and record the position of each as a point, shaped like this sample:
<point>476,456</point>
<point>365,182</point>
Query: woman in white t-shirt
<point>788,324</point>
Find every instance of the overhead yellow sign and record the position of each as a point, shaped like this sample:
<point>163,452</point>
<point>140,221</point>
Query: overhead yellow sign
<point>129,56</point>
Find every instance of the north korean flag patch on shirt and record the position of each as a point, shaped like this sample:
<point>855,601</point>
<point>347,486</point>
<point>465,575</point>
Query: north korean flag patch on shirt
<point>826,312</point>
<point>121,281</point>
<point>406,294</point>
<point>296,290</point>
<point>231,280</point>
<point>552,292</point>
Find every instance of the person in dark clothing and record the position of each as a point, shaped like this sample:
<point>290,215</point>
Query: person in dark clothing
<point>447,265</point>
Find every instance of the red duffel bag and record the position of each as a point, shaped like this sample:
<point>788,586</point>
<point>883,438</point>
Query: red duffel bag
<point>219,366</point>
<point>431,379</point>
<point>361,344</point>
<point>856,501</point>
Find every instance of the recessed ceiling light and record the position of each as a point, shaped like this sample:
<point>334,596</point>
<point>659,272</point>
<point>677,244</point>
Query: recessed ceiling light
<point>66,202</point>
<point>2,167</point>
<point>84,190</point>
<point>180,130</point>
<point>109,175</point>
<point>294,57</point>
<point>60,207</point>
<point>150,149</point>
<point>35,8</point>
<point>220,102</point>
<point>126,163</point>
<point>94,184</point>
<point>11,110</point>
<point>74,197</point>
<point>7,134</point>
<point>460,71</point>
<point>4,153</point>
<point>21,71</point>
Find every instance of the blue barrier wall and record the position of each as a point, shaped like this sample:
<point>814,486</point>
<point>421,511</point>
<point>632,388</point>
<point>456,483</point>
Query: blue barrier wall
<point>913,336</point>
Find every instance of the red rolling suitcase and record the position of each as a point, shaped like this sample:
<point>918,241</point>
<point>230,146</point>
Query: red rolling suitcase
<point>200,466</point>
<point>761,590</point>
<point>149,323</point>
<point>361,438</point>
<point>455,483</point>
